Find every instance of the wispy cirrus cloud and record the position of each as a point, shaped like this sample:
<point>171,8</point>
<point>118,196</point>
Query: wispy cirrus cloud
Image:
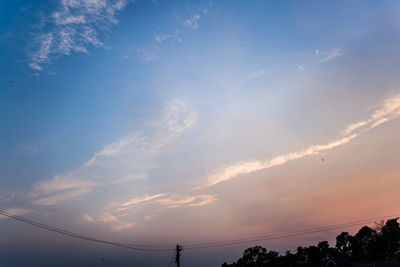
<point>389,110</point>
<point>116,223</point>
<point>172,37</point>
<point>162,201</point>
<point>328,55</point>
<point>76,25</point>
<point>142,199</point>
<point>107,217</point>
<point>121,161</point>
<point>176,201</point>
<point>56,196</point>
<point>165,201</point>
<point>155,203</point>
<point>192,22</point>
<point>150,52</point>
<point>177,117</point>
<point>256,74</point>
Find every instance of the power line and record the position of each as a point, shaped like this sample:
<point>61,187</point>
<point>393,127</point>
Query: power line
<point>198,245</point>
<point>71,234</point>
<point>149,246</point>
<point>172,259</point>
<point>284,235</point>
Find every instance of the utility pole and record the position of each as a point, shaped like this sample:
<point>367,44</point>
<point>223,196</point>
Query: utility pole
<point>178,255</point>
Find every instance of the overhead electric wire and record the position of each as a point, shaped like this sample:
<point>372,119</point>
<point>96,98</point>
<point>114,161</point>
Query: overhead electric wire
<point>71,234</point>
<point>284,235</point>
<point>150,246</point>
<point>198,245</point>
<point>172,259</point>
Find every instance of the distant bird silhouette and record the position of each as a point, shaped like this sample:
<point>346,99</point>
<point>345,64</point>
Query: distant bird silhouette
<point>322,159</point>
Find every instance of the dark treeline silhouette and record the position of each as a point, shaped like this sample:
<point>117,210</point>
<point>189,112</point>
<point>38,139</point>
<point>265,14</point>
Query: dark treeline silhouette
<point>378,246</point>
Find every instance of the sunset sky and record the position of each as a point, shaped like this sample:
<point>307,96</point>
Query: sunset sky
<point>164,122</point>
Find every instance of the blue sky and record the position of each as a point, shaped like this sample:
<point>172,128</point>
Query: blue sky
<point>119,116</point>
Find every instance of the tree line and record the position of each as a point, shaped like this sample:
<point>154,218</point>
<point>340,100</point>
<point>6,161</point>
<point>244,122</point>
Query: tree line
<point>380,243</point>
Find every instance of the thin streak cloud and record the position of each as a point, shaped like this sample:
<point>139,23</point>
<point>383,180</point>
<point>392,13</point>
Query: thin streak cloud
<point>256,74</point>
<point>162,201</point>
<point>329,55</point>
<point>177,201</point>
<point>388,111</point>
<point>137,200</point>
<point>61,196</point>
<point>156,203</point>
<point>109,219</point>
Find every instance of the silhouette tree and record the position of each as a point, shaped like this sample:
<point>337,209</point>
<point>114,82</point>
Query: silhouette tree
<point>381,243</point>
<point>343,244</point>
<point>389,240</point>
<point>255,257</point>
<point>363,244</point>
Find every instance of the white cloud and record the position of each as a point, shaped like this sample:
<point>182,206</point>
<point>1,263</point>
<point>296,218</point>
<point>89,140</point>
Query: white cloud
<point>165,201</point>
<point>132,202</point>
<point>129,158</point>
<point>354,126</point>
<point>42,55</point>
<point>60,196</point>
<point>177,201</point>
<point>60,183</point>
<point>122,226</point>
<point>150,52</point>
<point>300,68</point>
<point>88,218</point>
<point>146,54</point>
<point>116,224</point>
<point>239,168</point>
<point>149,217</point>
<point>173,37</point>
<point>389,110</point>
<point>72,28</point>
<point>192,22</point>
<point>328,55</point>
<point>107,217</point>
<point>178,117</point>
<point>257,74</point>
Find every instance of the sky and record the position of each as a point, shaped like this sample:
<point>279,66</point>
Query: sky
<point>185,122</point>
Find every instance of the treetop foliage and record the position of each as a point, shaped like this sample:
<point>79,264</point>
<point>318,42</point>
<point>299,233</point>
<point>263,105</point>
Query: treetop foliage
<point>381,243</point>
